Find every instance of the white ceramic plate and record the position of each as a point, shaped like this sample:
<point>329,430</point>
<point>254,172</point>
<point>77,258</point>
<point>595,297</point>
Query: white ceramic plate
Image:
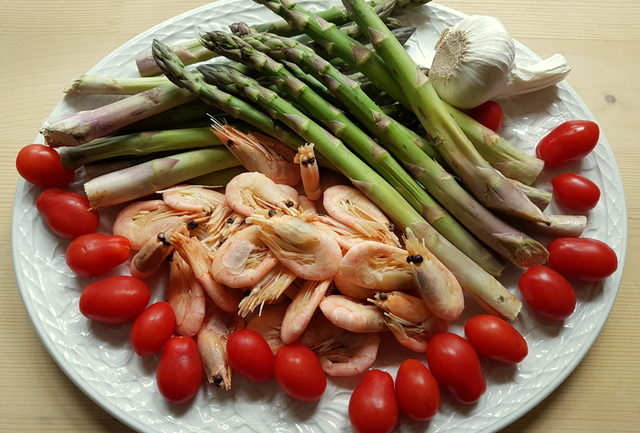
<point>98,358</point>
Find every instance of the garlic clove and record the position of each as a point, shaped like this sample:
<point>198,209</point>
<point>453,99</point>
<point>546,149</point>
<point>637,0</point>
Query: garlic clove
<point>473,61</point>
<point>543,74</point>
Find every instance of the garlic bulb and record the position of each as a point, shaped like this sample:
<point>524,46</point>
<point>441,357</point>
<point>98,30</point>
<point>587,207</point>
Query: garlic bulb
<point>475,62</point>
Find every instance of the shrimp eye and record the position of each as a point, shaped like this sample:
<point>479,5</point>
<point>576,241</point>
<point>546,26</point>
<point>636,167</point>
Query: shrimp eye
<point>217,381</point>
<point>191,224</point>
<point>382,296</point>
<point>230,143</point>
<point>163,239</point>
<point>230,220</point>
<point>289,203</point>
<point>271,213</point>
<point>415,259</point>
<point>309,161</point>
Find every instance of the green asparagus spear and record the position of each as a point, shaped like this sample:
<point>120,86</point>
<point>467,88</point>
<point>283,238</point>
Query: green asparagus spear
<point>142,143</point>
<point>147,178</point>
<point>472,277</point>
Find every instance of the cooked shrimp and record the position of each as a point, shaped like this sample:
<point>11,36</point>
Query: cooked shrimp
<point>192,198</point>
<point>342,353</point>
<point>242,260</point>
<point>267,290</point>
<point>349,289</point>
<point>197,255</point>
<point>186,296</point>
<point>354,316</point>
<point>212,345</point>
<point>143,220</point>
<point>438,287</point>
<point>257,152</point>
<point>349,206</point>
<point>343,234</point>
<point>301,309</point>
<point>402,305</point>
<point>221,225</point>
<point>415,336</point>
<point>299,245</point>
<point>377,266</point>
<point>409,319</point>
<point>268,324</point>
<point>248,192</point>
<point>306,205</point>
<point>309,171</point>
<point>154,253</point>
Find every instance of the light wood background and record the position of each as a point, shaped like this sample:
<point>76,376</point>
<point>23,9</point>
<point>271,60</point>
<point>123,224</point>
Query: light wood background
<point>46,43</point>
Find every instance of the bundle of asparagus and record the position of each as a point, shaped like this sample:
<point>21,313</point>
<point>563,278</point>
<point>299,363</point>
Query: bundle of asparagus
<point>301,89</point>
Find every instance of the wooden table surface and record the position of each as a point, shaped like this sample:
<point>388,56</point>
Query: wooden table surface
<point>46,43</point>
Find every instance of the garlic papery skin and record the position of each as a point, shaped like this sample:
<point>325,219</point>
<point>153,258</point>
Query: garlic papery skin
<point>475,62</point>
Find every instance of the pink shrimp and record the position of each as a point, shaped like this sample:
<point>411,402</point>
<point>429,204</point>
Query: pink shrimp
<point>342,353</point>
<point>351,207</point>
<point>302,308</point>
<point>352,315</point>
<point>242,260</point>
<point>257,152</point>
<point>300,246</point>
<point>197,255</point>
<point>409,319</point>
<point>268,324</point>
<point>377,266</point>
<point>186,297</point>
<point>212,345</point>
<point>154,253</point>
<point>309,171</point>
<point>220,225</point>
<point>143,220</point>
<point>438,287</point>
<point>347,288</point>
<point>248,192</point>
<point>192,198</point>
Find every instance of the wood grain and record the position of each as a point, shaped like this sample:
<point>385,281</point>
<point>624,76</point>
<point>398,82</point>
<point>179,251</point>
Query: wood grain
<point>46,43</point>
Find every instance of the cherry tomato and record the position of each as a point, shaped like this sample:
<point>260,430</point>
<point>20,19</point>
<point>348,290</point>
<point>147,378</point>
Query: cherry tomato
<point>114,300</point>
<point>152,329</point>
<point>40,165</point>
<point>299,372</point>
<point>496,339</point>
<point>567,142</point>
<point>547,292</point>
<point>575,192</point>
<point>67,214</point>
<point>582,258</point>
<point>455,365</point>
<point>179,372</point>
<point>417,391</point>
<point>488,114</point>
<point>95,253</point>
<point>250,355</point>
<point>373,407</point>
